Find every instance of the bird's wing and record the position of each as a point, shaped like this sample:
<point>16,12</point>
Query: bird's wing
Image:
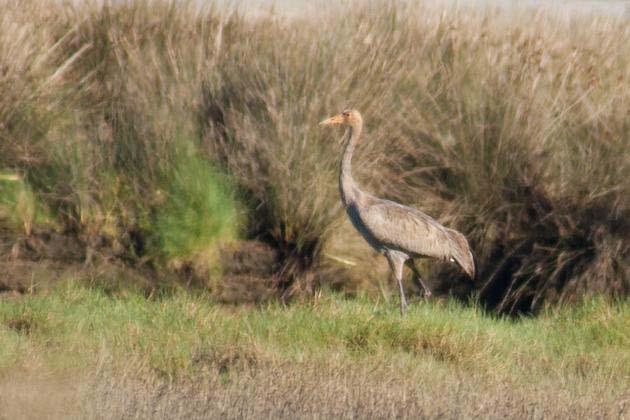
<point>411,231</point>
<point>404,228</point>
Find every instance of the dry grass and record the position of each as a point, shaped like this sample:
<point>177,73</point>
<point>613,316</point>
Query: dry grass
<point>513,130</point>
<point>300,390</point>
<point>303,391</point>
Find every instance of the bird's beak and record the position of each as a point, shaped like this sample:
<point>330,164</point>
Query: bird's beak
<point>336,120</point>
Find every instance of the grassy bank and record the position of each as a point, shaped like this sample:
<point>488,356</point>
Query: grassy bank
<point>180,354</point>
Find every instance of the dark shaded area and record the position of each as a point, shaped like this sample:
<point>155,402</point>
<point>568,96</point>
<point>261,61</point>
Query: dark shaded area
<point>549,252</point>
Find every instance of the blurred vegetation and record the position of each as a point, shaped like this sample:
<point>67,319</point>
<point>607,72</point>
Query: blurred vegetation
<point>19,206</point>
<point>157,132</point>
<point>198,209</point>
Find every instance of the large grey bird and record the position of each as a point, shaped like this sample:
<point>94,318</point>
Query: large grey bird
<point>399,232</point>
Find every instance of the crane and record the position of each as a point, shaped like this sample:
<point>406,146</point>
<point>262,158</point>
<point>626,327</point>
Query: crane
<point>399,232</point>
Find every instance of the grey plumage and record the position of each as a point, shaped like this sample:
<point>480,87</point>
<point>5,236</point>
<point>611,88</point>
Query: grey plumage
<point>399,232</point>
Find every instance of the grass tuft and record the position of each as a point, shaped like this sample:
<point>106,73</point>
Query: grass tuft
<point>199,210</point>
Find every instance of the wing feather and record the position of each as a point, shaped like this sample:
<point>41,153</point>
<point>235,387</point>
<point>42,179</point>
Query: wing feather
<point>414,232</point>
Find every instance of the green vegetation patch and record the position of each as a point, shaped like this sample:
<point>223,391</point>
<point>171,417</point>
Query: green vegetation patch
<point>20,209</point>
<point>199,209</point>
<point>183,334</point>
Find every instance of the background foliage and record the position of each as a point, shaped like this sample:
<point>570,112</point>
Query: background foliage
<point>159,134</point>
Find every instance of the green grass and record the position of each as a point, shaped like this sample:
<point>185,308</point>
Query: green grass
<point>170,331</point>
<point>127,353</point>
<point>199,210</point>
<point>20,208</point>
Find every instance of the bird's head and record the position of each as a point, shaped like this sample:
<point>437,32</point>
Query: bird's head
<point>349,117</point>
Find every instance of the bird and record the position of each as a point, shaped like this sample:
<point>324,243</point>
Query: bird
<point>401,233</point>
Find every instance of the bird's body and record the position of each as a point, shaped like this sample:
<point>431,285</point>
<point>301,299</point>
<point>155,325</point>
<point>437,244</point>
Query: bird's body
<point>399,232</point>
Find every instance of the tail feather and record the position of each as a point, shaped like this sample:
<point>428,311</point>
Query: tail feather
<point>461,252</point>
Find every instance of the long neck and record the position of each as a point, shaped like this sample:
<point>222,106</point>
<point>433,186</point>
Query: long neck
<point>347,187</point>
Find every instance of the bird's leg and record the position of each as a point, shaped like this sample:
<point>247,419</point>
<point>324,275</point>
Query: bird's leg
<point>417,279</point>
<point>397,263</point>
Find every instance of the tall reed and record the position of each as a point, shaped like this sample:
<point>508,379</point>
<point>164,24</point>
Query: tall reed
<point>513,130</point>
